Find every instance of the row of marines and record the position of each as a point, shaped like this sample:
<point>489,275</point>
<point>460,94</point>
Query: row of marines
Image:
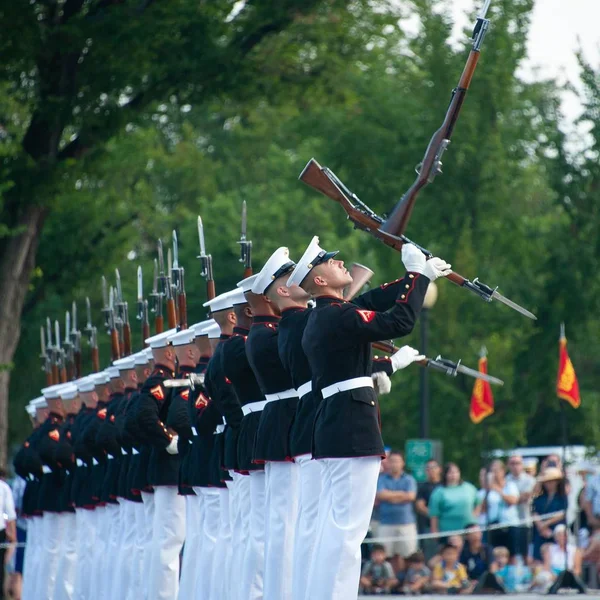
<point>254,481</point>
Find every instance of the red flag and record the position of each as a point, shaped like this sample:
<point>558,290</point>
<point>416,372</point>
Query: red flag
<point>567,386</point>
<point>482,400</point>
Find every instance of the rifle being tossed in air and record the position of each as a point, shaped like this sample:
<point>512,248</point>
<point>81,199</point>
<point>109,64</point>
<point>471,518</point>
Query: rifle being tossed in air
<point>206,265</point>
<point>245,244</point>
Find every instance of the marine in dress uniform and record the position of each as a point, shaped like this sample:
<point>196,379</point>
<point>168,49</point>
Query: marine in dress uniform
<point>163,473</point>
<point>272,436</point>
<point>216,541</point>
<point>178,419</point>
<point>28,465</point>
<point>347,434</point>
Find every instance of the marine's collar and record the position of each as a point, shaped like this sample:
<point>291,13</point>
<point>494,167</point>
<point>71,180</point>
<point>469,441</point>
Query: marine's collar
<point>327,300</point>
<point>240,330</point>
<point>224,336</point>
<point>291,310</point>
<point>186,369</point>
<point>259,319</point>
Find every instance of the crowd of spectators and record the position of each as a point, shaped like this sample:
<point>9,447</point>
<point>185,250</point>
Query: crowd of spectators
<point>445,536</point>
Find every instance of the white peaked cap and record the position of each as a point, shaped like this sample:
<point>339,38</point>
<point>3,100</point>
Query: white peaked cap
<point>221,302</point>
<point>125,364</point>
<point>202,327</point>
<point>112,372</point>
<point>160,340</point>
<point>312,256</point>
<point>52,391</point>
<point>279,264</point>
<point>183,337</point>
<point>30,410</point>
<point>239,298</point>
<point>246,284</point>
<point>148,352</point>
<point>214,332</point>
<point>141,358</point>
<point>39,403</point>
<point>68,391</point>
<point>100,378</point>
<point>86,384</point>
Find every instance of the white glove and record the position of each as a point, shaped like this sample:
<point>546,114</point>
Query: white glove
<point>414,260</point>
<point>404,357</point>
<point>172,447</point>
<point>382,383</point>
<point>436,267</point>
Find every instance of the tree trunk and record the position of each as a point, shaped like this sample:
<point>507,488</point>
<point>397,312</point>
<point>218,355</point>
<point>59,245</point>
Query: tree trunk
<point>17,260</point>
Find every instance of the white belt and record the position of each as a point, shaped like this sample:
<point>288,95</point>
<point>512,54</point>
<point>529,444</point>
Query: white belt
<point>134,451</point>
<point>109,456</point>
<point>220,428</point>
<point>46,469</point>
<point>304,389</point>
<point>344,386</point>
<point>291,393</point>
<point>79,462</point>
<point>194,432</point>
<point>123,452</point>
<point>95,462</point>
<point>253,407</point>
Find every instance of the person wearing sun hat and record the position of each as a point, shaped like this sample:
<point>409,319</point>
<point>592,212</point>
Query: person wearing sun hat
<point>347,435</point>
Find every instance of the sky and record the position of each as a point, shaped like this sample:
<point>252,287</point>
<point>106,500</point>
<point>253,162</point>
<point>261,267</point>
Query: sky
<point>558,29</point>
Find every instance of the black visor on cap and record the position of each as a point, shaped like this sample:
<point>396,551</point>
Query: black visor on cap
<point>324,257</point>
<point>288,267</point>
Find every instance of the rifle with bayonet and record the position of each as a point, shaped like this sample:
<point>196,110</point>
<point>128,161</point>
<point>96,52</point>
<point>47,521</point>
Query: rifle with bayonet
<point>142,307</point>
<point>206,265</point>
<point>45,355</point>
<point>123,316</point>
<point>110,321</point>
<point>444,365</point>
<point>245,244</point>
<point>165,286</point>
<point>60,355</point>
<point>76,341</point>
<point>92,334</point>
<point>68,349</point>
<point>178,285</point>
<point>362,217</point>
<point>157,303</point>
<point>52,353</point>
<point>431,165</point>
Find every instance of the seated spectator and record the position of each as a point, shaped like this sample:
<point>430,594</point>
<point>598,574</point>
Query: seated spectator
<point>415,580</point>
<point>377,576</point>
<point>561,554</point>
<point>453,540</point>
<point>473,553</point>
<point>449,576</point>
<point>515,578</point>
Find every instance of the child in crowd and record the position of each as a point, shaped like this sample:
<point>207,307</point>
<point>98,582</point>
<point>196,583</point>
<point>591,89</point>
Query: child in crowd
<point>415,580</point>
<point>449,576</point>
<point>377,575</point>
<point>515,578</point>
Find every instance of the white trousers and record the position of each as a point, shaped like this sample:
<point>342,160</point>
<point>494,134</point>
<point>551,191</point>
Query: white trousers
<point>240,527</point>
<point>349,486</point>
<point>67,561</point>
<point>102,530</point>
<point>219,579</point>
<point>309,498</point>
<point>210,530</point>
<point>32,557</point>
<point>167,541</point>
<point>282,510</point>
<point>190,548</point>
<point>136,583</point>
<point>111,523</point>
<point>86,535</point>
<point>252,580</point>
<point>148,501</point>
<point>52,534</point>
<point>123,573</point>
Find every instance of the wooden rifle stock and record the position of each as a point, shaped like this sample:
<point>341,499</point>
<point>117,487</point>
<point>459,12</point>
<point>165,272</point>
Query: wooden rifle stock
<point>145,332</point>
<point>159,324</point>
<point>114,344</point>
<point>78,367</point>
<point>182,303</point>
<point>126,339</point>
<point>247,272</point>
<point>70,371</point>
<point>210,289</point>
<point>49,381</point>
<point>63,375</point>
<point>171,314</point>
<point>55,375</point>
<point>95,360</point>
<point>387,347</point>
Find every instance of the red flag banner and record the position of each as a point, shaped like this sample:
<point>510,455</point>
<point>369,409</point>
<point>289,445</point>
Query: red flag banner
<point>482,399</point>
<point>567,386</point>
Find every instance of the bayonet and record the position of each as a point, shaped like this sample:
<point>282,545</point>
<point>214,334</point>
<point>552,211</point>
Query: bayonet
<point>191,381</point>
<point>123,320</point>
<point>106,309</point>
<point>452,369</point>
<point>53,353</point>
<point>156,295</point>
<point>140,295</point>
<point>206,269</point>
<point>245,244</point>
<point>171,310</point>
<point>201,238</point>
<point>68,348</point>
<point>60,354</point>
<point>46,361</point>
<point>76,339</point>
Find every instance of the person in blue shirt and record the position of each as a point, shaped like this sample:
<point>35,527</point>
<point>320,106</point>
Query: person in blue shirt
<point>473,552</point>
<point>396,493</point>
